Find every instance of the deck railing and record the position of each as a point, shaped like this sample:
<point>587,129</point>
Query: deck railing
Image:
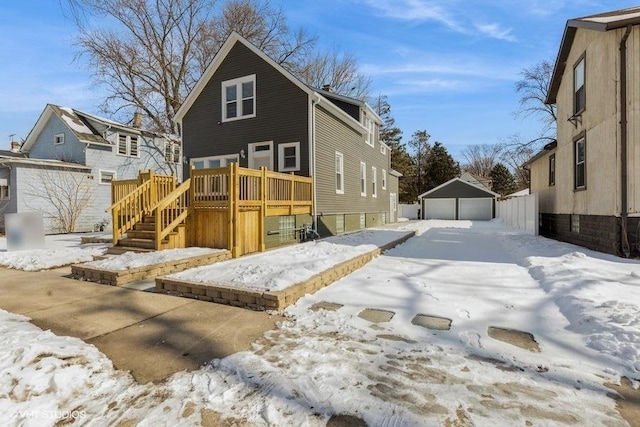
<point>171,211</point>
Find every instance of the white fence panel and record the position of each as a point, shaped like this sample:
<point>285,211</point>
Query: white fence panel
<point>520,213</point>
<point>408,211</point>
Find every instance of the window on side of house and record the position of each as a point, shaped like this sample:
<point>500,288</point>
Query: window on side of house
<point>133,146</point>
<point>363,179</point>
<point>122,145</point>
<point>370,125</point>
<point>168,152</point>
<point>580,165</point>
<point>384,179</point>
<point>239,98</point>
<point>575,223</point>
<point>128,145</point>
<point>383,149</point>
<point>579,96</point>
<point>107,177</point>
<point>58,139</point>
<point>4,189</point>
<point>176,153</point>
<point>552,169</point>
<point>289,157</point>
<point>339,173</point>
<point>214,161</point>
<point>374,181</point>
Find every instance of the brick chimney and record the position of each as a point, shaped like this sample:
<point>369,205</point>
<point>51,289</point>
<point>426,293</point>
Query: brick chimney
<point>15,146</point>
<point>327,88</point>
<point>137,120</point>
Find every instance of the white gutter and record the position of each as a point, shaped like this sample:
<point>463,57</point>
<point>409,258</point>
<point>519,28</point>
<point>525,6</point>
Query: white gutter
<point>315,99</point>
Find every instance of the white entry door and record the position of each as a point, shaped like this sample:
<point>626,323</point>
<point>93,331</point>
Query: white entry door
<point>261,154</point>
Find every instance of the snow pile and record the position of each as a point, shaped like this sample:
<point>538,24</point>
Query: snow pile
<point>274,270</point>
<point>130,260</point>
<point>43,259</point>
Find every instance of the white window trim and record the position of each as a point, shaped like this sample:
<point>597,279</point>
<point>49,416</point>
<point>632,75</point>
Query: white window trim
<point>238,83</point>
<point>252,147</point>
<point>383,149</point>
<point>128,145</point>
<point>55,139</point>
<point>369,124</point>
<point>341,157</point>
<point>281,148</point>
<point>223,159</point>
<point>102,172</point>
<point>374,181</point>
<point>384,179</point>
<point>363,179</point>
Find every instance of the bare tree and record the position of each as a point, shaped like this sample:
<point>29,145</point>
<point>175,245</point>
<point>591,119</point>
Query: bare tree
<point>481,158</point>
<point>62,195</point>
<point>515,156</point>
<point>149,54</point>
<point>534,89</point>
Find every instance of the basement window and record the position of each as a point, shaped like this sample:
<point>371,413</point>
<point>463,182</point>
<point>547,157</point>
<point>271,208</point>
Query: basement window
<point>575,224</point>
<point>287,228</point>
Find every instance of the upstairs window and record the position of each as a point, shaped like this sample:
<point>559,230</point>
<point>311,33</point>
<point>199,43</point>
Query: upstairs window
<point>176,153</point>
<point>370,125</point>
<point>239,98</point>
<point>128,145</point>
<point>552,169</point>
<point>579,98</point>
<point>384,179</point>
<point>580,163</point>
<point>383,149</point>
<point>171,152</point>
<point>339,173</point>
<point>4,189</point>
<point>58,139</point>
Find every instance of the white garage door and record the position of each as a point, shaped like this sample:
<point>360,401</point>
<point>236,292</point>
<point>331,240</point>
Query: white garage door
<point>476,209</point>
<point>439,208</point>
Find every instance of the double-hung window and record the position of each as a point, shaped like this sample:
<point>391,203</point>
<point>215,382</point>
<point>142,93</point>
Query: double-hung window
<point>4,189</point>
<point>580,152</point>
<point>579,97</point>
<point>171,152</point>
<point>339,173</point>
<point>374,181</point>
<point>239,98</point>
<point>552,169</point>
<point>370,125</point>
<point>384,179</point>
<point>363,179</point>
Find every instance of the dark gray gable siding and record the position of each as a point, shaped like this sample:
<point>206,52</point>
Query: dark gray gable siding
<point>350,109</point>
<point>281,113</point>
<point>458,189</point>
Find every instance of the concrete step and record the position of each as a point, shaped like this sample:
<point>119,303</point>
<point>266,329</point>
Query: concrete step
<point>118,250</point>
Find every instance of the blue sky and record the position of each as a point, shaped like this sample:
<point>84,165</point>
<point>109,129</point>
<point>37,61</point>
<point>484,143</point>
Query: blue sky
<point>447,66</point>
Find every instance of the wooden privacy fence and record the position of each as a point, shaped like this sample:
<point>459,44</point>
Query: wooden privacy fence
<point>221,208</point>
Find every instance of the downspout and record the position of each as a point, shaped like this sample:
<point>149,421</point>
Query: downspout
<point>312,154</point>
<point>624,238</point>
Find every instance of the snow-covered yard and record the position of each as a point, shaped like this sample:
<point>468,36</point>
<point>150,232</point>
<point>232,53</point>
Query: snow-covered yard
<point>582,307</point>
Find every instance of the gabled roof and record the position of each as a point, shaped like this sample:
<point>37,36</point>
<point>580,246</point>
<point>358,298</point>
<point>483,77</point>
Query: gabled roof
<point>11,154</point>
<point>477,181</point>
<point>82,125</point>
<point>479,187</point>
<point>219,58</point>
<point>600,22</point>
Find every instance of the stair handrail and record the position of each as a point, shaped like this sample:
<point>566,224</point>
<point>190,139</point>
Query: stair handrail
<point>129,210</point>
<point>182,209</point>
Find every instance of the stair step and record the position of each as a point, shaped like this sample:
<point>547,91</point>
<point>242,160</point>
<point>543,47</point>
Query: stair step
<point>141,234</point>
<point>144,226</point>
<point>147,219</point>
<point>137,243</point>
<point>118,250</point>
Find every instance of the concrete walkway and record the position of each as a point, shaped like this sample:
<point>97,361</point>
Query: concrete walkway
<point>151,335</point>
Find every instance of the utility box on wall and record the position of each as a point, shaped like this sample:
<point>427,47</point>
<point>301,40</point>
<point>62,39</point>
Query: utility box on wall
<point>24,231</point>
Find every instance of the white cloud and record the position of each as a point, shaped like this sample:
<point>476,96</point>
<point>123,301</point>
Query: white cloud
<point>416,10</point>
<point>496,32</point>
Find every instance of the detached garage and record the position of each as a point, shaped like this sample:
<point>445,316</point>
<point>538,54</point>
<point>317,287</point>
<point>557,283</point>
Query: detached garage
<point>458,199</point>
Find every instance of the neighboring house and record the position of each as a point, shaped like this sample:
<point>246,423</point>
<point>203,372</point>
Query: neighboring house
<point>588,181</point>
<point>72,159</point>
<point>248,109</point>
<point>477,180</point>
<point>459,198</point>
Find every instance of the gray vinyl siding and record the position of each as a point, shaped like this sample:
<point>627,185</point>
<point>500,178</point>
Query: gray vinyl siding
<point>71,151</point>
<point>334,135</point>
<point>281,113</point>
<point>458,189</point>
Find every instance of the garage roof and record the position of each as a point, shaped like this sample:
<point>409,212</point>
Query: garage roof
<point>456,183</point>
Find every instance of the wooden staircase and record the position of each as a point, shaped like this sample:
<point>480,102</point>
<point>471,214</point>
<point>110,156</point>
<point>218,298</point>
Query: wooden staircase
<point>142,238</point>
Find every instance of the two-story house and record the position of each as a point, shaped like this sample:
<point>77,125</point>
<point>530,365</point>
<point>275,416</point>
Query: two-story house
<point>588,181</point>
<point>72,157</point>
<point>248,109</point>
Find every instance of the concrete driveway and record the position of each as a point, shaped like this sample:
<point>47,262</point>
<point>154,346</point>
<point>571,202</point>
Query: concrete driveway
<point>151,335</point>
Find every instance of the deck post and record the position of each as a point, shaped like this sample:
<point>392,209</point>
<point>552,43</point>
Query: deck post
<point>264,194</point>
<point>234,212</point>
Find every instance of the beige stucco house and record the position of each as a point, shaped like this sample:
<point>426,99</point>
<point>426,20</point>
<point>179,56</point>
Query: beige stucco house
<point>588,181</point>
